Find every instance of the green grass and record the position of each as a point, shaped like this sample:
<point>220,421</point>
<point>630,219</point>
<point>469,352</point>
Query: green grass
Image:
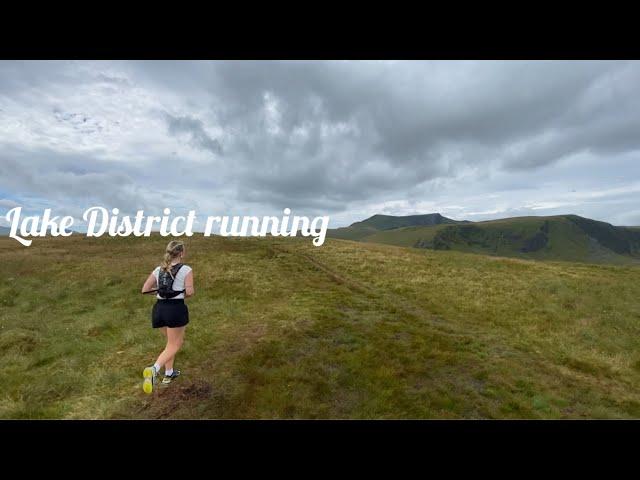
<point>282,329</point>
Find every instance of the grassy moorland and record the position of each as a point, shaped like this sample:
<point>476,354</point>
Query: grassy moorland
<point>282,329</point>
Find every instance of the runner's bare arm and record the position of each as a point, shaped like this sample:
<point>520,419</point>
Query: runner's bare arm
<point>188,285</point>
<point>150,283</point>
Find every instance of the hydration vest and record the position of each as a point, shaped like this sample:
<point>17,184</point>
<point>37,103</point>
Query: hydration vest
<point>165,282</point>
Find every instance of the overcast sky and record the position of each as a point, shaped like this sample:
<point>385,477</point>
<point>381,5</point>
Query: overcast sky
<point>471,140</point>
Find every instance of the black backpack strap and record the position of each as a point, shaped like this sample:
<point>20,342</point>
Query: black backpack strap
<point>173,293</point>
<point>180,265</point>
<point>177,267</point>
<point>173,271</point>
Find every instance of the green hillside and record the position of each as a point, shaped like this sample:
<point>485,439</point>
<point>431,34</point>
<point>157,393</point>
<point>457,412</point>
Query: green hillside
<point>282,329</point>
<point>405,237</point>
<point>377,223</point>
<point>352,232</point>
<point>563,237</point>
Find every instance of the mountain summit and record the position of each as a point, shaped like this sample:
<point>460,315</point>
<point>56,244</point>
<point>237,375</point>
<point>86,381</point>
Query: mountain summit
<point>387,222</point>
<point>378,223</point>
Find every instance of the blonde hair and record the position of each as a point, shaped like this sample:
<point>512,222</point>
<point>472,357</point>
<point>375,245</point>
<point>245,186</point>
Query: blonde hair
<point>174,249</point>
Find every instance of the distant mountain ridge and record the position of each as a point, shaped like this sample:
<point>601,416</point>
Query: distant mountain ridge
<point>560,237</point>
<point>4,231</point>
<point>388,222</point>
<point>377,223</point>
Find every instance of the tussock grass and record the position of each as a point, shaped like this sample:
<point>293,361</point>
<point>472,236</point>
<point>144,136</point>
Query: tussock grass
<point>282,329</point>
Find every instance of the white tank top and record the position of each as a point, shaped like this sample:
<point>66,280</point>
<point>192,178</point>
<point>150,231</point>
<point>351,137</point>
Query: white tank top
<point>178,282</point>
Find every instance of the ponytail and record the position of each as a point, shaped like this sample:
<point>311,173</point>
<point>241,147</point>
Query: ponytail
<point>174,249</point>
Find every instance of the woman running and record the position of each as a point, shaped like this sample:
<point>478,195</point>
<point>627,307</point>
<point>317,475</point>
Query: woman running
<point>173,282</point>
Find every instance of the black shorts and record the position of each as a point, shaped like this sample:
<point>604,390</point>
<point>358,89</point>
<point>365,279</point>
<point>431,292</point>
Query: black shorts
<point>172,313</point>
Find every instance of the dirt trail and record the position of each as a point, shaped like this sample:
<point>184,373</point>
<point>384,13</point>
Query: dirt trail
<point>386,301</point>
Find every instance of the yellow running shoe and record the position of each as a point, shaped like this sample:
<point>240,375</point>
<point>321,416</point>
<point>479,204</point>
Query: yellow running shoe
<point>149,375</point>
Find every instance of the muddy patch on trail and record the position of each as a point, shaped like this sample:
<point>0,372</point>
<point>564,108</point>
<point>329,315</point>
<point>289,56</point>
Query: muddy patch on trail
<point>170,398</point>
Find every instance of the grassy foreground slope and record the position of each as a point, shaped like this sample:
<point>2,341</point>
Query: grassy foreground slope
<point>282,329</point>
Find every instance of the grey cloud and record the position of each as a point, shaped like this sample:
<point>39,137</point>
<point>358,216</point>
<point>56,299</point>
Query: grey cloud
<point>336,134</point>
<point>406,128</point>
<point>405,117</point>
<point>194,128</point>
<point>4,203</point>
<point>58,177</point>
